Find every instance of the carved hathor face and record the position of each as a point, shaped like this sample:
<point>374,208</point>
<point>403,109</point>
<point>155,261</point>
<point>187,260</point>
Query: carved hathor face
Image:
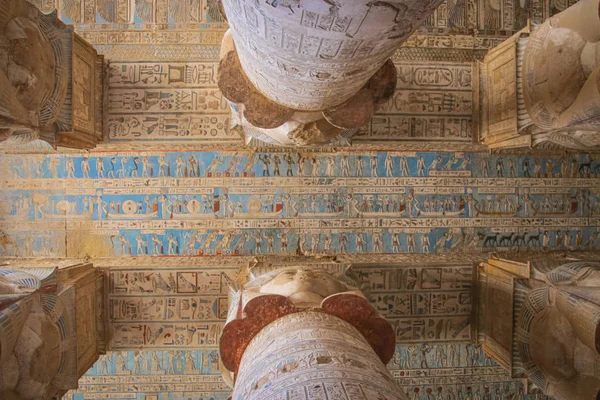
<point>30,63</point>
<point>302,286</point>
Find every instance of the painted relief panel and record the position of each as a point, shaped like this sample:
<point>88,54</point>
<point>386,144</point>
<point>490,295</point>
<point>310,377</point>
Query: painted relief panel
<point>436,364</point>
<point>166,101</point>
<point>422,303</point>
<point>86,327</point>
<point>154,375</point>
<point>503,108</point>
<point>193,30</point>
<point>157,204</point>
<point>167,308</point>
<point>180,101</point>
<point>498,96</point>
<point>455,371</point>
<point>424,108</point>
<point>432,102</point>
<point>199,14</point>
<point>84,101</point>
<point>452,25</point>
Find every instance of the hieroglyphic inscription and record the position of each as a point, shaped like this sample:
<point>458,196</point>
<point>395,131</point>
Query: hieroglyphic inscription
<point>310,48</point>
<point>165,14</point>
<point>423,304</point>
<point>422,369</point>
<point>432,102</point>
<point>145,373</point>
<point>457,370</point>
<point>205,101</point>
<point>489,17</point>
<point>166,101</point>
<point>316,346</point>
<point>176,74</point>
<point>167,308</point>
<point>453,371</point>
<point>104,22</point>
<point>84,89</point>
<point>238,203</point>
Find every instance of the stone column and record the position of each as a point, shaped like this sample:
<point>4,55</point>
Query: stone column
<point>305,72</point>
<point>564,95</point>
<point>540,88</point>
<point>303,334</point>
<point>542,321</point>
<point>50,80</point>
<point>312,355</point>
<point>51,327</point>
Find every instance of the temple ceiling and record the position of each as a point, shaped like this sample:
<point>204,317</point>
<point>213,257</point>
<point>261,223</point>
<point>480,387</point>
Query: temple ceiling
<point>173,204</point>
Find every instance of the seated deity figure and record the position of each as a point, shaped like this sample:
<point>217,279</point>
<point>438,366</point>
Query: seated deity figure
<point>560,77</point>
<point>35,339</point>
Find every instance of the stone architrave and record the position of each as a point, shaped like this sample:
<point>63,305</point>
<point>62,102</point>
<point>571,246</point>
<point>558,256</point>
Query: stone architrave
<point>50,80</point>
<point>51,328</point>
<point>302,333</point>
<point>540,320</point>
<point>314,71</point>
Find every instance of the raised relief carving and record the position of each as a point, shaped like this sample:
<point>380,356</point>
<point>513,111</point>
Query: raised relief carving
<point>48,331</point>
<point>321,325</point>
<point>540,320</point>
<point>312,57</point>
<point>49,80</point>
<point>529,100</point>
